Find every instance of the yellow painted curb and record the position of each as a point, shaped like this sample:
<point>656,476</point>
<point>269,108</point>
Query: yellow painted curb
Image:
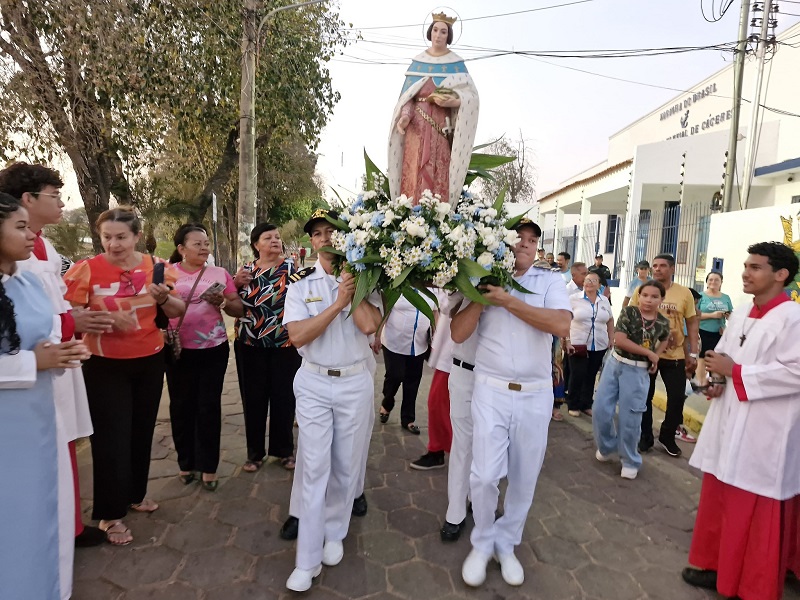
<point>691,418</point>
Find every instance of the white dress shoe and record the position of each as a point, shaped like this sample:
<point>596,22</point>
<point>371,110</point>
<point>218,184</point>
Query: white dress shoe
<point>511,569</point>
<point>629,473</point>
<point>332,553</point>
<point>300,579</point>
<point>473,572</point>
<point>602,457</point>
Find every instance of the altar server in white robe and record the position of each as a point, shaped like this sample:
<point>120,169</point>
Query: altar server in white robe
<point>747,532</point>
<point>511,403</point>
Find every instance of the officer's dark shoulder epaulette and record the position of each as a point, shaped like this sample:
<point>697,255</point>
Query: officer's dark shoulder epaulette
<point>301,274</point>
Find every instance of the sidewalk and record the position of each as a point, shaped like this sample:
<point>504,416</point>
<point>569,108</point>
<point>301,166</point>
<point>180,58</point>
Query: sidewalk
<point>590,534</point>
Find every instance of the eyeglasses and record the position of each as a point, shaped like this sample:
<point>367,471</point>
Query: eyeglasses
<point>126,280</point>
<point>57,195</point>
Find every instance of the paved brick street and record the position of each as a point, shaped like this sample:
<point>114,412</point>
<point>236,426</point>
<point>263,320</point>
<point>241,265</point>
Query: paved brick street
<point>590,534</point>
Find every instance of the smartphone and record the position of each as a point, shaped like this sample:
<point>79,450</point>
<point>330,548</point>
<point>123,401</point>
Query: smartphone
<point>215,288</point>
<point>158,273</point>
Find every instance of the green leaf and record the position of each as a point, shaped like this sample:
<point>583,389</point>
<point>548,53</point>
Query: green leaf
<point>398,281</point>
<point>422,289</point>
<point>362,289</point>
<point>482,146</point>
<point>372,171</point>
<point>390,298</point>
<point>464,285</point>
<point>417,301</point>
<point>518,287</point>
<point>488,161</point>
<point>514,221</point>
<point>338,223</point>
<point>332,250</point>
<point>471,268</point>
<point>371,259</point>
<point>501,197</point>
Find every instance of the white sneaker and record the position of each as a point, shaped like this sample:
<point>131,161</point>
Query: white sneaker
<point>473,572</point>
<point>332,553</point>
<point>300,579</point>
<point>629,473</point>
<point>510,568</point>
<point>602,457</point>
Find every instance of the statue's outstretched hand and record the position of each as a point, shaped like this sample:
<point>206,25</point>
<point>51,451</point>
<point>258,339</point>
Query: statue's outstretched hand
<point>402,123</point>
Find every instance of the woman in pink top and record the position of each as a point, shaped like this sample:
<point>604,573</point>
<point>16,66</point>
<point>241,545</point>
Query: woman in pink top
<point>195,380</point>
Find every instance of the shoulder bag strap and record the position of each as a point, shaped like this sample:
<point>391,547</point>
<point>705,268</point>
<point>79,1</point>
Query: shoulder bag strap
<point>189,301</point>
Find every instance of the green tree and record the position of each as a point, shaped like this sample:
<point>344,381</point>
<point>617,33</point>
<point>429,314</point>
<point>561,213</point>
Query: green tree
<point>108,82</point>
<point>71,236</point>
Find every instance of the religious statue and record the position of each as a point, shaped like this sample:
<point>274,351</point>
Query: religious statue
<point>434,121</point>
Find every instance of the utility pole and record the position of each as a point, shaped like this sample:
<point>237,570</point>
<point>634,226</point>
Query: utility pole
<point>246,212</point>
<point>738,70</point>
<point>761,54</point>
<point>248,174</point>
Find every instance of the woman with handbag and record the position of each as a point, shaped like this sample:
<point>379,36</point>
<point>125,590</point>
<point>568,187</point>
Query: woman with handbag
<point>590,332</point>
<point>125,375</point>
<point>198,356</point>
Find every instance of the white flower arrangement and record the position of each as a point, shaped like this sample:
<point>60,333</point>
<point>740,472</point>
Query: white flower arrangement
<point>402,248</point>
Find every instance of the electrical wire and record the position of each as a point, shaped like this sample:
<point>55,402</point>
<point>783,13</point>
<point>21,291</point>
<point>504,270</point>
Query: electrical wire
<point>494,16</point>
<point>715,18</point>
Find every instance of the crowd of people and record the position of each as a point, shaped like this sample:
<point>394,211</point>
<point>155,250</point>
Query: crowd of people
<point>86,354</point>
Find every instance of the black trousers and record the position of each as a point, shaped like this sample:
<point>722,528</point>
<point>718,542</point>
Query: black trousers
<point>123,400</point>
<point>583,373</point>
<point>406,370</point>
<point>673,374</point>
<point>195,394</point>
<point>266,379</point>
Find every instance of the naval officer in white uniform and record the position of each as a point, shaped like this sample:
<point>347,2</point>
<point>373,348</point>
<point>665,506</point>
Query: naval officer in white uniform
<point>334,388</point>
<point>511,403</point>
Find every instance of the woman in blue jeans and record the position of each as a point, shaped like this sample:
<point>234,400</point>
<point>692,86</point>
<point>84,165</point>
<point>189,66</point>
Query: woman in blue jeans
<point>640,337</point>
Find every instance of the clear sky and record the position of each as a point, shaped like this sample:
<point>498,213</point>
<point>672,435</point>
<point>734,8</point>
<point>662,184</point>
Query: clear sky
<point>566,115</point>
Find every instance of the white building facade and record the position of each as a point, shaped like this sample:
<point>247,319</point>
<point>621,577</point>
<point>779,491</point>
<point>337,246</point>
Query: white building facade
<point>658,190</point>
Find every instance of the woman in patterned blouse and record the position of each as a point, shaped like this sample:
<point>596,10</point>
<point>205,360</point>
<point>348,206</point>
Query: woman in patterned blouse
<point>266,361</point>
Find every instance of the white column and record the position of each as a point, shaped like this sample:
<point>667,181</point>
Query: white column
<point>581,250</point>
<point>632,210</point>
<point>559,224</point>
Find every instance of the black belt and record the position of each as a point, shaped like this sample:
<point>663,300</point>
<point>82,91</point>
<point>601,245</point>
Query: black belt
<point>464,365</point>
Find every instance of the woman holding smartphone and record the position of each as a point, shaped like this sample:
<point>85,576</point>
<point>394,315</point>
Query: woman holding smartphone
<point>715,307</point>
<point>125,375</point>
<point>195,379</point>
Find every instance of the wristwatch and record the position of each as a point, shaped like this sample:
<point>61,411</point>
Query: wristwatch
<point>693,355</point>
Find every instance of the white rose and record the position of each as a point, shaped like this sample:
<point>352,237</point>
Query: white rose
<point>388,217</point>
<point>442,210</point>
<point>490,212</point>
<point>491,242</point>
<point>511,238</point>
<point>361,237</point>
<point>486,260</point>
<point>456,234</point>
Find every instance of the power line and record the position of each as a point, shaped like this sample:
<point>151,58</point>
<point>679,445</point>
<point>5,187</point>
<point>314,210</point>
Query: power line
<point>519,12</point>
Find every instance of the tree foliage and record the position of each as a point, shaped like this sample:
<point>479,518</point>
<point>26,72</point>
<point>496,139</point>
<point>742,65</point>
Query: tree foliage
<point>118,84</point>
<point>518,176</point>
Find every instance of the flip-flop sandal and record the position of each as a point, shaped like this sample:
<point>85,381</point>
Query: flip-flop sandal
<point>410,427</point>
<point>288,463</point>
<point>210,486</point>
<point>117,528</point>
<point>557,416</point>
<point>186,478</point>
<point>384,417</point>
<point>145,506</point>
<point>251,466</point>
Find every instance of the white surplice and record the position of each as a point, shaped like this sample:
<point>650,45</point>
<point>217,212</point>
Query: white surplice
<point>754,445</point>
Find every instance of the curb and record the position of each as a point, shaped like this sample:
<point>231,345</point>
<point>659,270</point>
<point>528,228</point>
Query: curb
<point>691,418</point>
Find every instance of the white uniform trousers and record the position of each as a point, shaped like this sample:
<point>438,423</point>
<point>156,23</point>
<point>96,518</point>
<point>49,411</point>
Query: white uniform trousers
<point>509,439</point>
<point>332,413</point>
<point>294,497</point>
<point>460,384</point>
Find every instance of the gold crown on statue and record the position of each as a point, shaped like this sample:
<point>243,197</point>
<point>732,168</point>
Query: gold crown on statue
<point>443,18</point>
